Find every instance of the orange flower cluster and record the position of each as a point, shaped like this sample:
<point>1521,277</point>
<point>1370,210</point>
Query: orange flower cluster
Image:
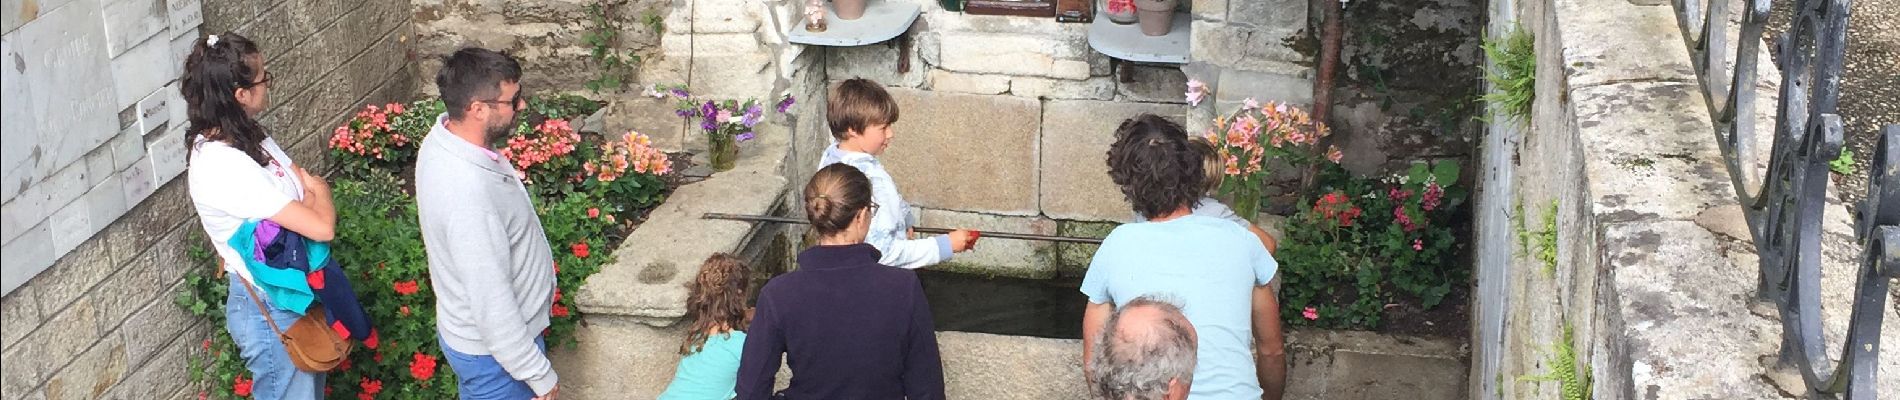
<point>634,151</point>
<point>1246,136</point>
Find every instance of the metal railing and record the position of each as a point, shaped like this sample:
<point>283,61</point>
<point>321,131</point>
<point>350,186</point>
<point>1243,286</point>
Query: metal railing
<point>1785,202</point>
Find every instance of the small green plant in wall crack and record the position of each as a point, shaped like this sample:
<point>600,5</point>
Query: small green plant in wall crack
<point>1514,77</point>
<point>1574,378</point>
<point>1547,240</point>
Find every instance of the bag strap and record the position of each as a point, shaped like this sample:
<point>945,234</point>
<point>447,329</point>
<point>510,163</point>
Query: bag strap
<point>261,308</point>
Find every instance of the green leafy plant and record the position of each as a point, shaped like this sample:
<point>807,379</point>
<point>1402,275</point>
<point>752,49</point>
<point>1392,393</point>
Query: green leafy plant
<point>603,42</point>
<point>562,106</point>
<point>653,22</point>
<point>1844,164</point>
<point>1574,378</point>
<point>1361,244</point>
<point>584,187</point>
<point>1514,79</point>
<point>1547,241</point>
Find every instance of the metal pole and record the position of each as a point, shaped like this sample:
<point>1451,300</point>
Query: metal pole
<point>998,235</point>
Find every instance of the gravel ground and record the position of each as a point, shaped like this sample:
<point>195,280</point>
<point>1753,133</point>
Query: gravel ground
<point>1870,80</point>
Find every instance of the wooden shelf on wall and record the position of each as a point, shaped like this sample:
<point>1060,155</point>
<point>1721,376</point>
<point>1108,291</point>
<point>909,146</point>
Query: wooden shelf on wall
<point>1126,42</point>
<point>1019,8</point>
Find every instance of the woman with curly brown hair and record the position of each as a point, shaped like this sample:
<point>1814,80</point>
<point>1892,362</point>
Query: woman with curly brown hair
<point>1216,268</point>
<point>717,301</point>
<point>850,328</point>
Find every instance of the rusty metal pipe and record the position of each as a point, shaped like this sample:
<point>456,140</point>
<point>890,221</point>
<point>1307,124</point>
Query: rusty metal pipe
<point>986,235</point>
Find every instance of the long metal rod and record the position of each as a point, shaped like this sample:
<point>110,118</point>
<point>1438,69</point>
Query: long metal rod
<point>986,234</point>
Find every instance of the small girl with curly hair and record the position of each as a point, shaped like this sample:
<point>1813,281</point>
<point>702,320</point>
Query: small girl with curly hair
<point>717,301</point>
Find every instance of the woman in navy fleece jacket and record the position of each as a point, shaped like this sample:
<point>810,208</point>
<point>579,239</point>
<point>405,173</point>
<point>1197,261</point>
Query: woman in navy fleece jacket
<point>849,327</point>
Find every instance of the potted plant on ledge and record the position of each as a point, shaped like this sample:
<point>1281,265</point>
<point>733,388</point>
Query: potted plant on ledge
<point>726,123</point>
<point>1252,137</point>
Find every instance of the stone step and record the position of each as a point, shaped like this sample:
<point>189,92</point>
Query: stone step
<point>618,358</point>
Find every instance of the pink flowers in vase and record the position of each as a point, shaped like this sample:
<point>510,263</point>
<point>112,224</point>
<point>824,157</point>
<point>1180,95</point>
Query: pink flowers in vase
<point>815,15</point>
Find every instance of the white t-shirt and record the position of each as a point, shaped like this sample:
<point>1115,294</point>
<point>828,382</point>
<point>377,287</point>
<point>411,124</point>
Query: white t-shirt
<point>228,188</point>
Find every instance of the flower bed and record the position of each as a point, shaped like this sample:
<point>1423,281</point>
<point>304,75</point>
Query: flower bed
<point>1364,246</point>
<point>1356,249</point>
<point>588,190</point>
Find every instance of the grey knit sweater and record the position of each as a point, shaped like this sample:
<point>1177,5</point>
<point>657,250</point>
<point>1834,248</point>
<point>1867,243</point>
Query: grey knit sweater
<point>489,261</point>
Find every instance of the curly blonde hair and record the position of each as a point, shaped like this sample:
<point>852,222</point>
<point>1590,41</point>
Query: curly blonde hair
<point>717,300</point>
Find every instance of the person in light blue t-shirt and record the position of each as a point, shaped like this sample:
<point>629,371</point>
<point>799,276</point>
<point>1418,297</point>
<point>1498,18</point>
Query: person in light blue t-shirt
<point>717,301</point>
<point>1218,270</point>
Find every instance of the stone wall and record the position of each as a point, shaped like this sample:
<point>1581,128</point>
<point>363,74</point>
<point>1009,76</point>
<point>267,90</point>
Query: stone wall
<point>88,310</point>
<point>1655,271</point>
<point>92,89</point>
<point>547,36</point>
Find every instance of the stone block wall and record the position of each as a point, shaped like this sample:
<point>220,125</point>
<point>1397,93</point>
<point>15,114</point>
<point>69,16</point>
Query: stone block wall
<point>1006,120</point>
<point>1655,269</point>
<point>97,222</point>
<point>547,36</point>
<point>91,89</point>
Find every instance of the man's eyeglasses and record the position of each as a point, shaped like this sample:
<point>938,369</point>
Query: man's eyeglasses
<point>519,102</point>
<point>873,208</point>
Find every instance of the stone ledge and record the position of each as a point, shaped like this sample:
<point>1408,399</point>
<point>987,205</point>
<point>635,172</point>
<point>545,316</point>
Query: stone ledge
<point>1601,42</point>
<point>647,280</point>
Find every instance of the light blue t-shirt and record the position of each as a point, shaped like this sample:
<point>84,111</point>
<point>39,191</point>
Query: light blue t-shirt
<point>1210,266</point>
<point>711,373</point>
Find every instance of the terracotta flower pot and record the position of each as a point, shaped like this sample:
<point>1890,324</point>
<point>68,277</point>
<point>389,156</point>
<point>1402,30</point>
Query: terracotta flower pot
<point>849,9</point>
<point>1119,11</point>
<point>1156,16</point>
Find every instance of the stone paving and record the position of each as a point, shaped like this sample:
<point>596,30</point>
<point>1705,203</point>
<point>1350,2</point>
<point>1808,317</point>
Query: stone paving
<point>636,361</point>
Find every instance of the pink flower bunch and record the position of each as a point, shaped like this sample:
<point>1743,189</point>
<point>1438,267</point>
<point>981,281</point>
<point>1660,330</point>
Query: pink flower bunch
<point>553,139</point>
<point>369,133</point>
<point>1259,132</point>
<point>1405,221</point>
<point>1433,194</point>
<point>634,151</point>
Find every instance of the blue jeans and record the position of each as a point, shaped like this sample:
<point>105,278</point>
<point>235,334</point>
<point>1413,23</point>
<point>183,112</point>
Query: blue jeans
<point>482,378</point>
<point>272,373</point>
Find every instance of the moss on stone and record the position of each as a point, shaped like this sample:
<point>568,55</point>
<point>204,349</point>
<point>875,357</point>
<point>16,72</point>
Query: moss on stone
<point>1072,259</point>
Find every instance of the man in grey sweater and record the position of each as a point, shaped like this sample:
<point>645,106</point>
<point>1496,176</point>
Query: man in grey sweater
<point>489,261</point>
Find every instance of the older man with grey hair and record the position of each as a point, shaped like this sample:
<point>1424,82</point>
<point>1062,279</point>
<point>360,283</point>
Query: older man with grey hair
<point>1146,352</point>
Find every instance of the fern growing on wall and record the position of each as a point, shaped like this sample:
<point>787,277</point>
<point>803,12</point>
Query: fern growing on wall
<point>1572,377</point>
<point>1514,76</point>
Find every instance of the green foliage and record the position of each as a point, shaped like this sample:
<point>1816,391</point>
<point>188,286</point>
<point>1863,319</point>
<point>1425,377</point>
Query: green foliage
<point>1564,369</point>
<point>1523,233</point>
<point>562,106</point>
<point>1514,80</point>
<point>1547,241</point>
<point>653,22</point>
<point>379,243</point>
<point>1356,248</point>
<point>1844,164</point>
<point>383,137</point>
<point>216,363</point>
<point>603,41</point>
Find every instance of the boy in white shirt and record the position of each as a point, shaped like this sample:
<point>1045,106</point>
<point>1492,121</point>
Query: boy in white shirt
<point>860,113</point>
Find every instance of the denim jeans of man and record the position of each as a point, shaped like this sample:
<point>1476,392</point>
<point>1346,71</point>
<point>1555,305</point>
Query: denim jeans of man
<point>482,378</point>
<point>273,375</point>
